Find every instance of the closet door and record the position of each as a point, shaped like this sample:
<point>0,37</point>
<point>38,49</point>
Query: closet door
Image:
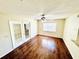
<point>20,32</point>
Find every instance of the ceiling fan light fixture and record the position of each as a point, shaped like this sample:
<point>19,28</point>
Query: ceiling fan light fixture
<point>43,18</point>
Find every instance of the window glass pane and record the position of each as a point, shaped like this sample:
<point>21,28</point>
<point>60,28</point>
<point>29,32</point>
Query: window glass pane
<point>51,27</point>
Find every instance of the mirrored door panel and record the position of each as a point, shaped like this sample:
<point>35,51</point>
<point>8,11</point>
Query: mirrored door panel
<point>16,32</point>
<point>26,30</point>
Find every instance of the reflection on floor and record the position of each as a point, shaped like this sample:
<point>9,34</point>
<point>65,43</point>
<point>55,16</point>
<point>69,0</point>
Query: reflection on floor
<point>41,47</point>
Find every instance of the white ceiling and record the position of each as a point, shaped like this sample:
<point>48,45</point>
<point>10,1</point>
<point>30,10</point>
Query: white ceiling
<point>33,7</point>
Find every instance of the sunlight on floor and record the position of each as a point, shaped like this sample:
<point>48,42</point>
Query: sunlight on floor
<point>48,44</point>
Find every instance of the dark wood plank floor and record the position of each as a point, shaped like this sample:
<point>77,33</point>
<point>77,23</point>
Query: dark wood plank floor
<point>41,47</point>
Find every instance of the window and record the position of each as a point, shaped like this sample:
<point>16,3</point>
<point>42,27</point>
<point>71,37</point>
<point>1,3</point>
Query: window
<point>50,27</point>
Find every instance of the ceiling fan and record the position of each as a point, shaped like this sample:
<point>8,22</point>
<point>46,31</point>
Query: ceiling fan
<point>42,17</point>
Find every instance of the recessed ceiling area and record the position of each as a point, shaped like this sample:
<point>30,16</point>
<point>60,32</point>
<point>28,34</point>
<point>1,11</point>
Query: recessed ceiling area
<point>33,7</point>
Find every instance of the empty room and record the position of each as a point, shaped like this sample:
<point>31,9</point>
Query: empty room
<point>39,29</point>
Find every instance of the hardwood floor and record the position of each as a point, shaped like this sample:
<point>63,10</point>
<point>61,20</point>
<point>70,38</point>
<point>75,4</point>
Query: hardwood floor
<point>41,47</point>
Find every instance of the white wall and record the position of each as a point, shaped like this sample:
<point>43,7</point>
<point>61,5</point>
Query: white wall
<point>5,38</point>
<point>33,27</point>
<point>70,33</point>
